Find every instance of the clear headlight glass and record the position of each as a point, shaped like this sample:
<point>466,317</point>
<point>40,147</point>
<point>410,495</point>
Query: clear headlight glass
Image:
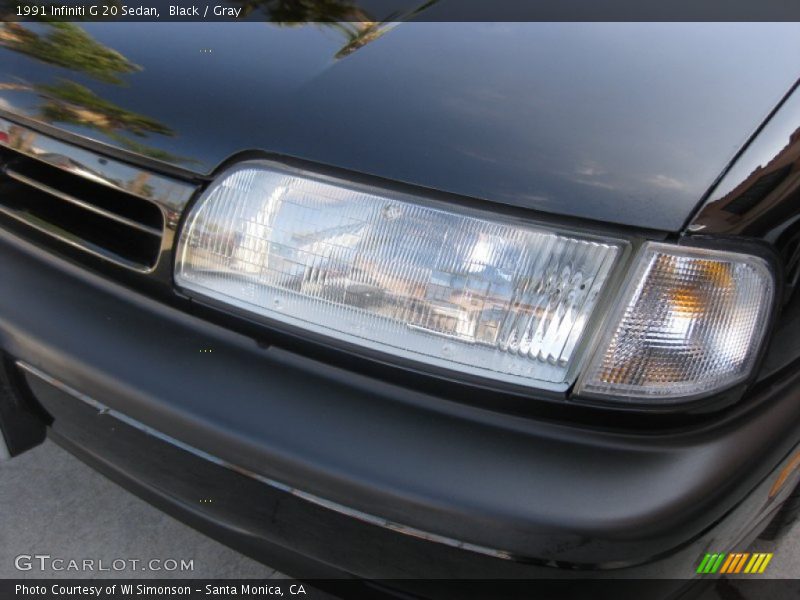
<point>691,321</point>
<point>498,299</point>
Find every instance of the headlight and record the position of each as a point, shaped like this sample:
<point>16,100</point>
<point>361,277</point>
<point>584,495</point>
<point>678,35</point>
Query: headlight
<point>483,295</point>
<point>690,322</point>
<point>494,298</point>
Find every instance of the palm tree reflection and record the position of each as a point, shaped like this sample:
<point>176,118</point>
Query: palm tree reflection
<point>356,25</point>
<point>68,46</point>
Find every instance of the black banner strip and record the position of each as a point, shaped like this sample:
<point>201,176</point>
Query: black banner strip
<point>380,11</point>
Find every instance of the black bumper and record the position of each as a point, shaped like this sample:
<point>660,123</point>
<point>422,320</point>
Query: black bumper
<point>342,473</point>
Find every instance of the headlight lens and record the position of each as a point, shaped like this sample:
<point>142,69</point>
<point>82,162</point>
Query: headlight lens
<point>493,298</point>
<point>691,321</point>
<point>457,289</point>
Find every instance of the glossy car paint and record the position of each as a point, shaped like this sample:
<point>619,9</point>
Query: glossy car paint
<point>759,198</point>
<point>666,100</point>
<point>626,123</point>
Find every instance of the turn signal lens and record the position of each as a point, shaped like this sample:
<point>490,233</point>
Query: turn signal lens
<point>432,283</point>
<point>691,321</point>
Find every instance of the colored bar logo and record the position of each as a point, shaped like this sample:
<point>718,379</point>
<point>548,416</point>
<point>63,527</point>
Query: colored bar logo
<point>734,562</point>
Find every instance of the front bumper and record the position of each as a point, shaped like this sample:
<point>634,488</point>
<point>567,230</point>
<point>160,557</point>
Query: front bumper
<point>321,471</point>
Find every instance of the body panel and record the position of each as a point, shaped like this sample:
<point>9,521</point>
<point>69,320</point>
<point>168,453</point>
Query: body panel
<point>531,488</point>
<point>759,197</point>
<point>626,123</point>
<point>614,124</point>
<point>283,528</point>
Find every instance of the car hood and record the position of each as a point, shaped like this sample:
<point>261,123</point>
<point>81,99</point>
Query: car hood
<point>622,123</point>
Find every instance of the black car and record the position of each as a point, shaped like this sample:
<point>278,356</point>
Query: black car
<point>493,300</point>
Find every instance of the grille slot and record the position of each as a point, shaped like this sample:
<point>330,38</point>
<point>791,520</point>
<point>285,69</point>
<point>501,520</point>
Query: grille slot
<point>80,208</point>
<point>124,214</point>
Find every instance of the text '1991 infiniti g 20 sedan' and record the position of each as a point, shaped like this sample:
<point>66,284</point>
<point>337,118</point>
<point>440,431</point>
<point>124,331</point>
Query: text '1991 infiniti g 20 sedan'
<point>495,300</point>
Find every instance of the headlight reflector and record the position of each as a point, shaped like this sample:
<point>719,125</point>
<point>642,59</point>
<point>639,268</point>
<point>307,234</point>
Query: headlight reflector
<point>691,321</point>
<point>494,298</point>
